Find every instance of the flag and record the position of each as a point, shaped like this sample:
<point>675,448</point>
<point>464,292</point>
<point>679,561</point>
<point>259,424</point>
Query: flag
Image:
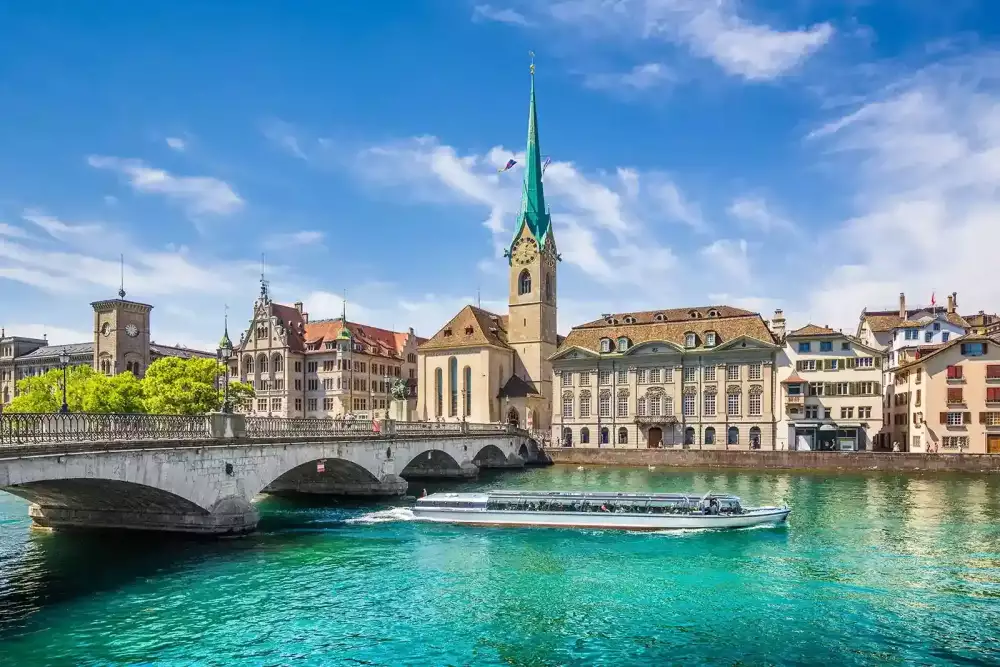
<point>375,427</point>
<point>933,300</point>
<point>548,161</point>
<point>510,164</point>
<point>320,466</point>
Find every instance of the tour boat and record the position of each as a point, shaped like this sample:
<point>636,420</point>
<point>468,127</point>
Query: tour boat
<point>567,509</point>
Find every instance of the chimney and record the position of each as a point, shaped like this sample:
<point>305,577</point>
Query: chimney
<point>778,323</point>
<point>412,332</point>
<point>305,317</point>
<point>902,306</point>
<point>951,304</point>
<point>954,302</point>
<point>298,306</point>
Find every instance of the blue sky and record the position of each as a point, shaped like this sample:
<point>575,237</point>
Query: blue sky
<point>814,155</point>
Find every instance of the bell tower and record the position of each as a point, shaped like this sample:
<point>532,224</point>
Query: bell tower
<point>121,334</point>
<point>531,324</point>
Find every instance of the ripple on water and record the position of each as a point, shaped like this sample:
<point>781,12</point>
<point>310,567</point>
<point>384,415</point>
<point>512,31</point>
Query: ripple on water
<point>883,569</point>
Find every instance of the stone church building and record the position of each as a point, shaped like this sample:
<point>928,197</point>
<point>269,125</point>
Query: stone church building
<point>486,367</point>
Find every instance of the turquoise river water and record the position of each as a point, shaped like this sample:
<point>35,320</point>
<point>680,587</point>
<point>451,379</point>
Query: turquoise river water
<point>871,569</point>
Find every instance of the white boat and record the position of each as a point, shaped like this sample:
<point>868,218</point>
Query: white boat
<point>566,509</point>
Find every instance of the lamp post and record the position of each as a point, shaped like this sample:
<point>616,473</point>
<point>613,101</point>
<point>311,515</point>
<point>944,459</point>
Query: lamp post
<point>388,391</point>
<point>64,362</point>
<point>224,353</point>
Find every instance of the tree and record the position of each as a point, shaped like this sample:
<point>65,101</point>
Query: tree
<point>188,387</point>
<point>241,395</point>
<point>86,391</point>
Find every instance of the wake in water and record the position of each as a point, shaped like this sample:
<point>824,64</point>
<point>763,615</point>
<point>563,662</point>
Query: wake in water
<point>383,516</point>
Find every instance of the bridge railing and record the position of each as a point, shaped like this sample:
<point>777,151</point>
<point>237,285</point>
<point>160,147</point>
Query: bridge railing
<point>29,428</point>
<point>420,428</point>
<point>259,427</point>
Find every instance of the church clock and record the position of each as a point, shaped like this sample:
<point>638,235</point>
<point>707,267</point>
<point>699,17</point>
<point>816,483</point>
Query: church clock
<point>525,251</point>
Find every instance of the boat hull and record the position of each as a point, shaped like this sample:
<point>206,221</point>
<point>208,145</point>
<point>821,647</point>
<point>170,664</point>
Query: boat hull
<point>603,520</point>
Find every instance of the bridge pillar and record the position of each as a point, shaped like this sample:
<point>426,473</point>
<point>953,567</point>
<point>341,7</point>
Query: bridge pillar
<point>230,516</point>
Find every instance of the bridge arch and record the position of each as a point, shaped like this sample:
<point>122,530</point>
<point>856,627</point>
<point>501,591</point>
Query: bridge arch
<point>490,456</point>
<point>325,476</point>
<point>74,493</point>
<point>432,463</point>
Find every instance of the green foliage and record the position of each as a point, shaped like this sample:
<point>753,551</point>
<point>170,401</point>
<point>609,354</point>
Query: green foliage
<point>170,386</point>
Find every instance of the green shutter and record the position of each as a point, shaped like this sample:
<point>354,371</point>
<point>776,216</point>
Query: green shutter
<point>878,362</point>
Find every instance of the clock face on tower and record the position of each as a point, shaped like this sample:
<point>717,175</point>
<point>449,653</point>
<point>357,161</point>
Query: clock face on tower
<point>132,330</point>
<point>525,251</point>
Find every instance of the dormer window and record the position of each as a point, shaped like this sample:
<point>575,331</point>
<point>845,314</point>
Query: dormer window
<point>611,320</point>
<point>629,320</point>
<point>468,331</point>
<point>659,317</point>
<point>605,345</point>
<point>622,344</point>
<point>713,313</point>
<point>690,340</point>
<point>937,326</point>
<point>447,332</point>
<point>694,314</point>
<point>710,338</point>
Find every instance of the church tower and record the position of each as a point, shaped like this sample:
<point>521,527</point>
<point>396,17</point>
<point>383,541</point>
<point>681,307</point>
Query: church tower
<point>531,325</point>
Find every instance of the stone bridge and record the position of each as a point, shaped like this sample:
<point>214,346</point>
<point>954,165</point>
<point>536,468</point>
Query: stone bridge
<point>200,474</point>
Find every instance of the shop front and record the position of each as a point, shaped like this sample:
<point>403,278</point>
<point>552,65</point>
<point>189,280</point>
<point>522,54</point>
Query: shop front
<point>829,437</point>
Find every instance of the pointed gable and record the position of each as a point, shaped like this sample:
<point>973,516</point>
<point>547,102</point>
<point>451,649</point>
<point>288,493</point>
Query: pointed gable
<point>471,327</point>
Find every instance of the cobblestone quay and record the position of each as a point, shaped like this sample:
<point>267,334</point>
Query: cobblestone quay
<point>781,460</point>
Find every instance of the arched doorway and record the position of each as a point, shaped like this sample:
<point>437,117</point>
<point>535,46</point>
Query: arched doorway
<point>567,437</point>
<point>654,437</point>
<point>689,435</point>
<point>513,417</point>
<point>754,437</point>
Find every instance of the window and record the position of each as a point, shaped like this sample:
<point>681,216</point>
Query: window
<point>467,379</point>
<point>733,436</point>
<point>847,413</point>
<point>815,388</point>
<point>826,346</point>
<point>585,435</point>
<point>804,347</point>
<point>690,373</point>
<point>709,405</point>
<point>937,326</point>
<point>328,404</point>
<point>865,412</point>
<point>795,390</point>
<point>805,365</point>
<point>827,413</point>
<point>973,349</point>
<point>605,345</point>
<point>622,344</point>
<point>845,346</point>
<point>668,375</point>
<point>567,379</point>
<point>928,336</point>
<point>311,366</point>
<point>710,339</point>
<point>641,376</point>
<point>604,377</point>
<point>328,383</point>
<point>993,394</point>
<point>993,372</point>
<point>623,436</point>
<point>567,406</point>
<point>687,405</point>
<point>955,395</point>
<point>654,376</point>
<point>954,372</point>
<point>604,435</point>
<point>689,435</point>
<point>298,405</point>
<point>623,405</point>
<point>654,405</point>
<point>623,377</point>
<point>261,404</point>
<point>732,372</point>
<point>911,334</point>
<point>524,282</point>
<point>690,340</point>
<point>843,389</point>
<point>312,384</point>
<point>709,373</point>
<point>955,418</point>
<point>733,404</point>
<point>755,371</point>
<point>640,406</point>
<point>585,378</point>
<point>311,403</point>
<point>954,442</point>
<point>438,392</point>
<point>812,412</point>
<point>453,387</point>
<point>668,406</point>
<point>604,405</point>
<point>276,403</point>
<point>989,418</point>
<point>709,436</point>
<point>945,336</point>
<point>756,403</point>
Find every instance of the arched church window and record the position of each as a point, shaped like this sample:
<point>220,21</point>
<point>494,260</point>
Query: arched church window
<point>453,386</point>
<point>467,379</point>
<point>548,287</point>
<point>524,282</point>
<point>438,392</point>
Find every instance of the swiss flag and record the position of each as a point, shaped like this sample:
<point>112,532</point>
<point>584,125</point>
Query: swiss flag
<point>933,300</point>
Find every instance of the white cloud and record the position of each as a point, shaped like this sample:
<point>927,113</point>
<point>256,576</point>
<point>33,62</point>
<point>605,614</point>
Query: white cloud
<point>176,144</point>
<point>197,194</point>
<point>639,78</point>
<point>11,231</point>
<point>755,212</point>
<point>285,137</point>
<point>924,155</point>
<point>294,239</point>
<point>58,229</point>
<point>500,15</point>
<point>729,257</point>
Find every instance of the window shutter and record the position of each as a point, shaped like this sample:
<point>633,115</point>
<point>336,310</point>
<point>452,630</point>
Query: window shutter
<point>829,389</point>
<point>800,365</point>
<point>958,371</point>
<point>878,362</point>
<point>944,417</point>
<point>985,346</point>
<point>852,389</point>
<point>966,417</point>
<point>914,417</point>
<point>982,417</point>
<point>878,389</point>
<point>962,348</point>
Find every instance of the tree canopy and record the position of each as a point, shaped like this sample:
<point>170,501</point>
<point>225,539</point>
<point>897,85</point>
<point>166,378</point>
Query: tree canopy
<point>171,386</point>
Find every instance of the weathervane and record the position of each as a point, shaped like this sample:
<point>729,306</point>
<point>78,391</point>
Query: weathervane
<point>121,288</point>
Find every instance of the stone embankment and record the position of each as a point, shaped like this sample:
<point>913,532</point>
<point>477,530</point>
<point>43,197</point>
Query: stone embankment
<point>777,460</point>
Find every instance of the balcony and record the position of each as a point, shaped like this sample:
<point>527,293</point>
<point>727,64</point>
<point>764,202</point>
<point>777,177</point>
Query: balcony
<point>795,401</point>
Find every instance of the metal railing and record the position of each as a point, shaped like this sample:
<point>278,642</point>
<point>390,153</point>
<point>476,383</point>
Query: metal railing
<point>403,428</point>
<point>262,427</point>
<point>29,428</point>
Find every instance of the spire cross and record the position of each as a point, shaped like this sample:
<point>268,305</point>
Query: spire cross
<point>121,288</point>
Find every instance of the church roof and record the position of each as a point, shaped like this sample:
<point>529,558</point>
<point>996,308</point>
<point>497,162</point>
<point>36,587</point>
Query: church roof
<point>471,327</point>
<point>380,342</point>
<point>533,212</point>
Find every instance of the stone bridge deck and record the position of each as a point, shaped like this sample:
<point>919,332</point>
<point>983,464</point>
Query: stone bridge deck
<point>201,473</point>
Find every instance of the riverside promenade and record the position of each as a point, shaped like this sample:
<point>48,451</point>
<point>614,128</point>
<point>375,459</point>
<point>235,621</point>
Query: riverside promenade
<point>776,459</point>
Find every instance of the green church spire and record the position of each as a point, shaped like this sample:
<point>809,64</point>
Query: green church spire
<point>533,212</point>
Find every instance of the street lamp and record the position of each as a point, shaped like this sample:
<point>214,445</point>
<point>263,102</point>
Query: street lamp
<point>223,354</point>
<point>64,362</point>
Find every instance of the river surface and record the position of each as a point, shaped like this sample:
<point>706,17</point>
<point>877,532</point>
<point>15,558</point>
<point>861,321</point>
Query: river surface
<point>871,569</point>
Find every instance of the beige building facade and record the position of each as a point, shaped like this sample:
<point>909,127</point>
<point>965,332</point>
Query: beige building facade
<point>948,400</point>
<point>322,369</point>
<point>690,377</point>
<point>830,395</point>
<point>486,367</point>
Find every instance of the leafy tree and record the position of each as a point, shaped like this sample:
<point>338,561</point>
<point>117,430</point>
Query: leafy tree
<point>119,393</point>
<point>188,387</point>
<point>86,391</point>
<point>241,395</point>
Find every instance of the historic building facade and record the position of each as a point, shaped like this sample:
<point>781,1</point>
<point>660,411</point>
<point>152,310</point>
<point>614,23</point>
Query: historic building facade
<point>948,400</point>
<point>830,391</point>
<point>121,343</point>
<point>486,367</point>
<point>696,377</point>
<point>324,369</point>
